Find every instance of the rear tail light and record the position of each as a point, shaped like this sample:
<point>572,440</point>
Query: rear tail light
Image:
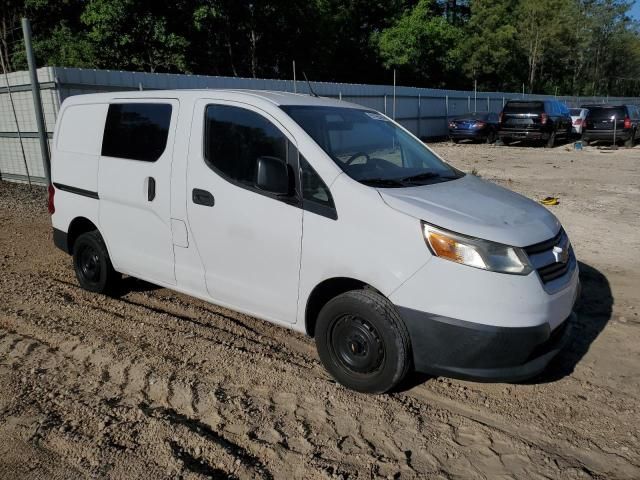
<point>627,122</point>
<point>50,204</point>
<point>543,118</point>
<point>577,122</point>
<point>501,117</point>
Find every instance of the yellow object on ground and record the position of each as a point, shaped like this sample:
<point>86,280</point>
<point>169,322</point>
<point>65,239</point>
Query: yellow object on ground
<point>550,201</point>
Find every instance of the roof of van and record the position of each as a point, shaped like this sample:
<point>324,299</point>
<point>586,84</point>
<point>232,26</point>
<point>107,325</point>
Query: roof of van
<point>273,97</point>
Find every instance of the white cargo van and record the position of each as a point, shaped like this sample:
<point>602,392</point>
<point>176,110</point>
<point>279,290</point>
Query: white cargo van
<point>318,215</point>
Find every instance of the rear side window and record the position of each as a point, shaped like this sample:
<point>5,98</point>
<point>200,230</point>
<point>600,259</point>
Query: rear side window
<point>236,137</point>
<point>605,113</point>
<point>524,107</point>
<point>136,131</point>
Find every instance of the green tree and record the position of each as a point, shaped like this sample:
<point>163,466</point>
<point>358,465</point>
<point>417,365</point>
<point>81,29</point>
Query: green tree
<point>489,47</point>
<point>422,45</point>
<point>543,26</point>
<point>137,35</point>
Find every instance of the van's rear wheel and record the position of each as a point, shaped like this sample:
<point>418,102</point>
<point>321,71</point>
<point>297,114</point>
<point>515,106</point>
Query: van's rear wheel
<point>363,342</point>
<point>92,264</point>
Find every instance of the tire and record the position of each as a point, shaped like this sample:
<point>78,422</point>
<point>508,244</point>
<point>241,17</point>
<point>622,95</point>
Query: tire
<point>362,341</point>
<point>551,142</point>
<point>630,142</point>
<point>585,143</point>
<point>92,264</point>
<point>455,140</point>
<point>491,137</point>
<point>505,140</point>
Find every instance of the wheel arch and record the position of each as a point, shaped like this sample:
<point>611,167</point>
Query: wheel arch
<point>325,291</point>
<point>77,227</point>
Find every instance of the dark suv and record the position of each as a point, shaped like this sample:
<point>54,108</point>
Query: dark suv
<point>599,124</point>
<point>534,120</point>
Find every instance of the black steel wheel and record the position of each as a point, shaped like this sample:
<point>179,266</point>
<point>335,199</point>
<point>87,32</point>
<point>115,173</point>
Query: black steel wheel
<point>92,264</point>
<point>362,341</point>
<point>356,344</point>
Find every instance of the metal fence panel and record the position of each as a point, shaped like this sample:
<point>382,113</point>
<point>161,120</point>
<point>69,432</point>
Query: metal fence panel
<point>424,111</point>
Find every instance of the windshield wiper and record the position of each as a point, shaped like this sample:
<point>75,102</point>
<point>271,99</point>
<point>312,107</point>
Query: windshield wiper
<point>383,182</point>
<point>420,176</point>
<point>426,176</point>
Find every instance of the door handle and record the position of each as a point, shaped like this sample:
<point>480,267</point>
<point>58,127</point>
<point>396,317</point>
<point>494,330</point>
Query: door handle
<point>202,197</point>
<point>151,189</point>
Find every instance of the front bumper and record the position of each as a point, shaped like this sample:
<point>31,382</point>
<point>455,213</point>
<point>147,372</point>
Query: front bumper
<point>469,323</point>
<point>465,350</point>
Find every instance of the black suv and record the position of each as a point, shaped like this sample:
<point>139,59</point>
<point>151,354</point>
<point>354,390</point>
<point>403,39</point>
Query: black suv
<point>599,124</point>
<point>534,120</point>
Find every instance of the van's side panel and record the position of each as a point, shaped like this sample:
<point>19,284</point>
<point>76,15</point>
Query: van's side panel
<point>188,264</point>
<point>249,243</point>
<point>368,242</point>
<point>78,143</point>
<point>74,166</point>
<point>137,229</point>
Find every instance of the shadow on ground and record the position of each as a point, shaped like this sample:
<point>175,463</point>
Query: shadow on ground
<point>131,284</point>
<point>594,308</point>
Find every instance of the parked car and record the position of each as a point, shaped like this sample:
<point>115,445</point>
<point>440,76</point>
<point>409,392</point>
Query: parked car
<point>318,215</point>
<point>578,116</point>
<point>599,124</point>
<point>546,120</point>
<point>474,126</point>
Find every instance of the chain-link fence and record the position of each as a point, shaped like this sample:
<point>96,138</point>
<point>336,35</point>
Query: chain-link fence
<point>423,111</point>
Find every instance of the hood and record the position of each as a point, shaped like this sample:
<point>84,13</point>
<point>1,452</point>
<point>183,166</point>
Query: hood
<point>476,208</point>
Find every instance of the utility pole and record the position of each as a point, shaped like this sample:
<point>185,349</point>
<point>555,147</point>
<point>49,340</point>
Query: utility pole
<point>295,86</point>
<point>37,101</point>
<point>394,94</point>
<point>475,96</point>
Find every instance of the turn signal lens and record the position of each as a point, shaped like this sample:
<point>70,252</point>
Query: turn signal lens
<point>476,252</point>
<point>447,247</point>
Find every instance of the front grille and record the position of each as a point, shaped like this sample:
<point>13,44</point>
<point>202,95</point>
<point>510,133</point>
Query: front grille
<point>546,245</point>
<point>552,258</point>
<point>553,271</point>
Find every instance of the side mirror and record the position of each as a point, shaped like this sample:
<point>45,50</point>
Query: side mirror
<point>272,175</point>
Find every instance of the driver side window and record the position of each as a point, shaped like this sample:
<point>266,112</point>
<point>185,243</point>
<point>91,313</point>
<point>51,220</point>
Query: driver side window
<point>236,137</point>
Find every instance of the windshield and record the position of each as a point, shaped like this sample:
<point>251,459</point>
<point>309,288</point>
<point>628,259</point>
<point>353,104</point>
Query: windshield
<point>576,112</point>
<point>370,148</point>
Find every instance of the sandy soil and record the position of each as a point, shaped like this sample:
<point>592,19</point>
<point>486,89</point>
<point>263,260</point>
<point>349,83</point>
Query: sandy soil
<point>154,384</point>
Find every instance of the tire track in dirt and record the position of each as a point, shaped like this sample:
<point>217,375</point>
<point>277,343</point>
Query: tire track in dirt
<point>161,392</point>
<point>82,365</point>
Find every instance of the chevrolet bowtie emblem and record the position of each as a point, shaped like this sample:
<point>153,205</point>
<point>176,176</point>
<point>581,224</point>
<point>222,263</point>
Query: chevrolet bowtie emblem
<point>561,254</point>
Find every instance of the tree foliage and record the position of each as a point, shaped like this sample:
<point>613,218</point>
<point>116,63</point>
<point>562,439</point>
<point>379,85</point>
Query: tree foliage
<point>569,46</point>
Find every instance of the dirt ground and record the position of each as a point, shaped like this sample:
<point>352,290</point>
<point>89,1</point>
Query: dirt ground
<point>154,384</point>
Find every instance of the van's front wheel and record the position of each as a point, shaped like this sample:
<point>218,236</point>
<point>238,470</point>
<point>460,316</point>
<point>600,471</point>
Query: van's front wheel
<point>92,264</point>
<point>363,342</point>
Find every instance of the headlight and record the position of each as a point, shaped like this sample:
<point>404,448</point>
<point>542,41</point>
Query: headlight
<point>475,252</point>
